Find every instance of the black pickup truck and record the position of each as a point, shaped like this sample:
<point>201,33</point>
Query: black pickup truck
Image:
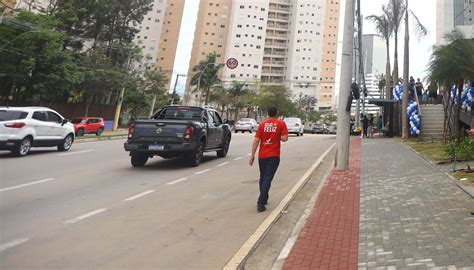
<point>178,131</point>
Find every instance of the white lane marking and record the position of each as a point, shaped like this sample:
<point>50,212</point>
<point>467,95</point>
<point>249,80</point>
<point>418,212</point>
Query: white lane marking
<point>27,184</point>
<point>139,195</point>
<point>203,171</point>
<point>13,243</point>
<point>222,164</point>
<point>177,181</point>
<point>249,245</point>
<point>78,152</point>
<point>90,214</point>
<point>238,158</point>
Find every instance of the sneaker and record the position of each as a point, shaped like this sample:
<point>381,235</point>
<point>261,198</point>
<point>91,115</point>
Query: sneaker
<point>261,208</point>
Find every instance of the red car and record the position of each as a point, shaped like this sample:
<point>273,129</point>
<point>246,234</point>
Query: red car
<point>85,125</point>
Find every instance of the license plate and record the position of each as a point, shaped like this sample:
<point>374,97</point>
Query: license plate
<point>156,147</point>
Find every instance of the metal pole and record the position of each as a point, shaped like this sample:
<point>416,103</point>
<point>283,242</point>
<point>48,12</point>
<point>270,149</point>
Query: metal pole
<point>174,88</point>
<point>120,100</point>
<point>343,116</point>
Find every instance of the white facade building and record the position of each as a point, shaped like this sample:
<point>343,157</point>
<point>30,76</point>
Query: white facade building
<point>305,47</point>
<point>454,14</point>
<point>246,40</point>
<point>149,36</point>
<point>277,42</point>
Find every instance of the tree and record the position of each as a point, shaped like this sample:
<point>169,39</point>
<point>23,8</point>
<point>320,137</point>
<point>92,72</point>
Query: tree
<point>279,96</point>
<point>32,62</point>
<point>384,27</point>
<point>221,96</point>
<point>394,12</point>
<point>206,75</point>
<point>155,85</point>
<point>450,64</point>
<point>422,31</point>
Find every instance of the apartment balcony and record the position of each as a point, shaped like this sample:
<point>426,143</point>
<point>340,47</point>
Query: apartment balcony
<point>275,45</point>
<point>277,73</point>
<point>279,9</point>
<point>274,54</point>
<point>274,63</point>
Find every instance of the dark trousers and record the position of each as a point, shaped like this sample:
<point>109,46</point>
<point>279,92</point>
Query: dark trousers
<point>268,168</point>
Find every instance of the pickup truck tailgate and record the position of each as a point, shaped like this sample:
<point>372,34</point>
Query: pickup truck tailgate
<point>159,131</point>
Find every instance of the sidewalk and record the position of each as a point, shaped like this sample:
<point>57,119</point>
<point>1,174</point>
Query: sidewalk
<point>410,215</point>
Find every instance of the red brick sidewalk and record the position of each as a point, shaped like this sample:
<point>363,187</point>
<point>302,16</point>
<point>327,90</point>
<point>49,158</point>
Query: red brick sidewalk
<point>329,239</point>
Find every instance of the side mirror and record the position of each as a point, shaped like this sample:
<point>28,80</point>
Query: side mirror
<point>64,121</point>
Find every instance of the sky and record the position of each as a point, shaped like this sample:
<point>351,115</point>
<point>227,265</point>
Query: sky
<point>420,49</point>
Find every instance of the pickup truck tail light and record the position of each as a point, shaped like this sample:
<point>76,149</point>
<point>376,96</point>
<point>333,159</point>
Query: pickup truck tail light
<point>188,134</point>
<point>15,125</point>
<point>130,130</point>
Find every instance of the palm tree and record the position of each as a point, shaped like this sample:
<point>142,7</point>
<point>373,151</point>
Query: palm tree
<point>206,75</point>
<point>421,31</point>
<point>450,64</point>
<point>384,28</point>
<point>394,12</point>
<point>238,92</point>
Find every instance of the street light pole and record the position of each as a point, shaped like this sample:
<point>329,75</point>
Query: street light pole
<point>199,81</point>
<point>343,116</point>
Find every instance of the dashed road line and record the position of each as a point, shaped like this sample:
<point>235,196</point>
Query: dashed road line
<point>90,214</point>
<point>27,184</point>
<point>177,181</point>
<point>239,158</point>
<point>203,171</point>
<point>222,164</point>
<point>13,243</point>
<point>78,152</point>
<point>139,195</point>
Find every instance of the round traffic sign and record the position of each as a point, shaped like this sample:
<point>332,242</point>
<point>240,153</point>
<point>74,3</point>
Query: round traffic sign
<point>232,63</point>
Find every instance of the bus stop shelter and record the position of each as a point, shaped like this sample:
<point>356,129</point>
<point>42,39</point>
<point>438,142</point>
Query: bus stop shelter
<point>388,107</point>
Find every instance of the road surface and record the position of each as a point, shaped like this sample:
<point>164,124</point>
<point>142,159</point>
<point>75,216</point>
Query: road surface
<point>89,209</point>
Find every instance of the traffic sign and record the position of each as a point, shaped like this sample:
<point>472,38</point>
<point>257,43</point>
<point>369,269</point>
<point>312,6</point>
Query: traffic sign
<point>232,63</point>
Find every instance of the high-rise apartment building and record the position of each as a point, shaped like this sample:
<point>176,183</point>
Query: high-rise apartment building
<point>210,36</point>
<point>374,56</point>
<point>158,36</point>
<point>281,42</point>
<point>454,14</point>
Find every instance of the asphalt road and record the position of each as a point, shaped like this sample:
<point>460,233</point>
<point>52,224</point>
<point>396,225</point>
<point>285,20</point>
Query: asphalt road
<point>89,209</point>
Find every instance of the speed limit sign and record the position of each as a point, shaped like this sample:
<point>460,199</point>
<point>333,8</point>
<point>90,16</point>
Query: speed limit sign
<point>232,63</point>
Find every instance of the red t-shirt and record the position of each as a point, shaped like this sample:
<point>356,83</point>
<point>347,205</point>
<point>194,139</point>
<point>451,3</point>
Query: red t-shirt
<point>269,132</point>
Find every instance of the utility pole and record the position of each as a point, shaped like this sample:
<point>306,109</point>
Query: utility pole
<point>343,116</point>
<point>122,92</point>
<point>175,84</point>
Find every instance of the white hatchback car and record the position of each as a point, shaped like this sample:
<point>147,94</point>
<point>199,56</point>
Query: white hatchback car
<point>246,124</point>
<point>24,127</point>
<point>294,125</point>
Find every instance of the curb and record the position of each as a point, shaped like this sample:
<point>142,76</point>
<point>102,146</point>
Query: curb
<point>425,158</point>
<point>105,138</point>
<point>236,262</point>
<point>461,186</point>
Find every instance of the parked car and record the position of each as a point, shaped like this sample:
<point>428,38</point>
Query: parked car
<point>24,127</point>
<point>246,124</point>
<point>86,125</point>
<point>294,125</point>
<point>320,129</point>
<point>178,131</point>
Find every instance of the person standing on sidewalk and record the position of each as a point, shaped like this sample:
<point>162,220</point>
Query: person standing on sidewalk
<point>269,134</point>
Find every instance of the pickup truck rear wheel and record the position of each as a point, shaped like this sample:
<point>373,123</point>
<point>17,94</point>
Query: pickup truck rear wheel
<point>225,148</point>
<point>194,158</point>
<point>139,159</point>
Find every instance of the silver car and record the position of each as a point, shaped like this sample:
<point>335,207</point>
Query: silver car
<point>246,124</point>
<point>294,125</point>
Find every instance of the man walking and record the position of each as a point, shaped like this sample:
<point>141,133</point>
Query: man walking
<point>269,134</point>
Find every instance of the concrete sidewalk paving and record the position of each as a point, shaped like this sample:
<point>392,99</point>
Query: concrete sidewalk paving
<point>407,214</point>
